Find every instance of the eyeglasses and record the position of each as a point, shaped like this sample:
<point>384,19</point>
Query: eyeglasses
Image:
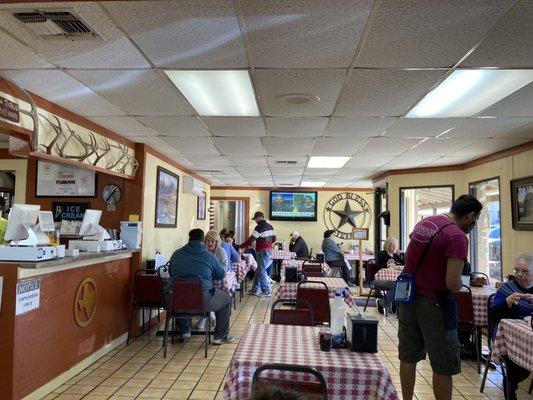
<point>521,271</point>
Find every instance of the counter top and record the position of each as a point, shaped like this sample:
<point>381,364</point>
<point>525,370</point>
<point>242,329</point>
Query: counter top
<point>29,269</point>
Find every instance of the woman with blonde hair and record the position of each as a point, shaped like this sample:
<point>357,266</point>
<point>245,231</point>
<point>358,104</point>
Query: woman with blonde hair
<point>212,241</point>
<point>390,255</point>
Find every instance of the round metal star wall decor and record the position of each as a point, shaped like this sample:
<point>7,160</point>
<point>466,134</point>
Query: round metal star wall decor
<point>345,212</point>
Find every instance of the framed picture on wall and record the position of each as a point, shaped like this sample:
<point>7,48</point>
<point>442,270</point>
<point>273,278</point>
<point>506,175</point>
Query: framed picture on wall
<point>166,200</point>
<point>522,203</point>
<point>56,180</point>
<point>201,206</point>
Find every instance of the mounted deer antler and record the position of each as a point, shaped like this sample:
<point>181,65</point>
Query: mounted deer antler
<point>33,114</point>
<point>71,135</point>
<point>58,129</point>
<point>90,146</point>
<point>124,151</point>
<point>106,147</point>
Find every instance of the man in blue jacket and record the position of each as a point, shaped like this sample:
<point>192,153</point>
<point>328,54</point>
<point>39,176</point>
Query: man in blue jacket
<point>194,260</point>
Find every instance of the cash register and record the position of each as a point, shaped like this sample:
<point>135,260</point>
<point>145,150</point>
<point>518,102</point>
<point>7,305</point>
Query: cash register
<point>28,241</point>
<point>95,237</point>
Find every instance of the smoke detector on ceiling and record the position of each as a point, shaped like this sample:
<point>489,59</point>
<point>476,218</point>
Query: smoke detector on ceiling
<point>57,25</point>
<point>297,99</point>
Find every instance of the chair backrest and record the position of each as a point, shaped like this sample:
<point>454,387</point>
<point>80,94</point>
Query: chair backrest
<point>187,296</point>
<point>148,288</point>
<point>312,269</point>
<point>318,297</point>
<point>314,390</point>
<point>371,270</point>
<point>302,316</point>
<point>465,306</point>
<point>491,324</point>
<point>480,274</point>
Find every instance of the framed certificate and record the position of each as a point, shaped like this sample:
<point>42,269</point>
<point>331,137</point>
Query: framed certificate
<point>56,180</point>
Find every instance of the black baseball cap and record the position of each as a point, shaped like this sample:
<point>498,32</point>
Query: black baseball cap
<point>258,214</point>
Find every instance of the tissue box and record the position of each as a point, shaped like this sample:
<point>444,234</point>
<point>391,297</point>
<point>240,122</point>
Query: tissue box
<point>291,274</point>
<point>362,332</point>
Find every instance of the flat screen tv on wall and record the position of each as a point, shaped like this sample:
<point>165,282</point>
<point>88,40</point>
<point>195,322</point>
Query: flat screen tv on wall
<point>293,206</point>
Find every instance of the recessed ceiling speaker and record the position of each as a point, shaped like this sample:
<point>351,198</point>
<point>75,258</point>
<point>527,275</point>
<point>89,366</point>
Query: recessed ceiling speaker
<point>296,99</point>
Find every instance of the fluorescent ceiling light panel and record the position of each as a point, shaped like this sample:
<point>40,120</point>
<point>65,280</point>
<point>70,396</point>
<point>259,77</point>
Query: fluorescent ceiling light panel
<point>312,184</point>
<point>217,93</point>
<point>327,162</point>
<point>464,93</point>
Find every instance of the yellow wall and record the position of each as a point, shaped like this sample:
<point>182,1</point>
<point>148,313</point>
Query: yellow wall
<point>310,231</point>
<point>167,239</point>
<point>507,169</point>
<point>20,168</point>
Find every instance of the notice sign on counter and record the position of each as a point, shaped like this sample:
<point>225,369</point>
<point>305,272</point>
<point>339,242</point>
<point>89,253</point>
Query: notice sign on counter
<point>9,110</point>
<point>28,295</point>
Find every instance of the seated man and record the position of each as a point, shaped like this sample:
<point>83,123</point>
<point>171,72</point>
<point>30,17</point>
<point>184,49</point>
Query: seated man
<point>194,260</point>
<point>297,245</point>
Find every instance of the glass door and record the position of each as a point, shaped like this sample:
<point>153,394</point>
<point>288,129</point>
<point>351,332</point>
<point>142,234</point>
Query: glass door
<point>485,239</point>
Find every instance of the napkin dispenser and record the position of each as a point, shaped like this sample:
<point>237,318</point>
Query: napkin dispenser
<point>291,274</point>
<point>362,332</point>
<point>320,257</point>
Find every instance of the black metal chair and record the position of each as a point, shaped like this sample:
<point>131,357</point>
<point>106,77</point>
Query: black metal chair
<point>465,317</point>
<point>382,290</point>
<point>313,390</point>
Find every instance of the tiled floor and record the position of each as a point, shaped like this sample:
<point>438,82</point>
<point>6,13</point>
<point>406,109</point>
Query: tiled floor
<point>139,371</point>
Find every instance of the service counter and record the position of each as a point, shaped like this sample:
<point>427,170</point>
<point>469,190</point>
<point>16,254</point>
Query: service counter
<point>59,316</point>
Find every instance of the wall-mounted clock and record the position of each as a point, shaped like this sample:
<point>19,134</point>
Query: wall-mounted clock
<point>112,194</point>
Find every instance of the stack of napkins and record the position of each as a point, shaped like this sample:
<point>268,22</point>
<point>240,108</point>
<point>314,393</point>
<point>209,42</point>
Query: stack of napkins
<point>131,234</point>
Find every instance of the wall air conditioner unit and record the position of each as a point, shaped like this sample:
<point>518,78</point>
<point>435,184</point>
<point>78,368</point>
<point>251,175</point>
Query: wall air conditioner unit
<point>192,185</point>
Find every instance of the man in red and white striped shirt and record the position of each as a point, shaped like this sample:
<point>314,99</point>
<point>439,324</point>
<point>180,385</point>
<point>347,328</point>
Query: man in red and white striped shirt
<point>264,237</point>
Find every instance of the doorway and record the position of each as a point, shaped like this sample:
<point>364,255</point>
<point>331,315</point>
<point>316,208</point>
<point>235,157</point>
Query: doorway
<point>232,214</point>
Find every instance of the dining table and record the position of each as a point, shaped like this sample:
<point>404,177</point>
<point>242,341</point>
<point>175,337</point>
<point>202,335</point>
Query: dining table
<point>348,375</point>
<point>514,339</point>
<point>287,290</point>
<point>326,270</point>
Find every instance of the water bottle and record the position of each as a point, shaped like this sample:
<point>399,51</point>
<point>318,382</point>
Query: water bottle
<point>284,247</point>
<point>337,321</point>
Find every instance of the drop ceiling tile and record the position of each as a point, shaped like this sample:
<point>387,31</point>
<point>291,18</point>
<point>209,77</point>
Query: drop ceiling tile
<point>505,45</point>
<point>304,33</point>
<point>321,171</point>
<point>339,182</point>
<point>437,147</point>
<point>202,33</point>
<point>277,161</point>
<point>316,178</point>
<point>138,92</point>
<point>65,91</point>
<point>253,171</point>
<point>409,162</point>
<point>262,183</point>
<point>191,145</point>
<point>363,171</point>
<point>325,84</point>
<point>487,127</point>
<point>420,33</point>
<point>15,55</point>
<point>208,160</point>
<point>364,161</point>
<point>291,171</point>
<point>175,126</point>
<point>176,156</point>
<point>357,126</point>
<point>363,183</point>
<point>296,126</point>
<point>150,140</point>
<point>383,146</point>
<point>247,161</point>
<point>289,148</point>
<point>422,127</point>
<point>125,126</point>
<point>223,172</point>
<point>113,51</point>
<point>448,160</point>
<point>524,132</point>
<point>382,93</point>
<point>239,146</point>
<point>518,104</point>
<point>337,146</point>
<point>484,147</point>
<point>236,126</point>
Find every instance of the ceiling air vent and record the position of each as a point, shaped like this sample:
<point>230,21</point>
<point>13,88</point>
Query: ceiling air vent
<point>56,25</point>
<point>285,162</point>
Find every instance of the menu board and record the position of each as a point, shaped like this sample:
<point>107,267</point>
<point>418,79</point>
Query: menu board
<point>58,180</point>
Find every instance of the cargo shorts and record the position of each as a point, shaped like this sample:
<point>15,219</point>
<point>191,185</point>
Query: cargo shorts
<point>422,330</point>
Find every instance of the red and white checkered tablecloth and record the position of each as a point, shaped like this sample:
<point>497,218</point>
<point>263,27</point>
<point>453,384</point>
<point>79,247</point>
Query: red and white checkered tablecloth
<point>480,297</point>
<point>355,256</point>
<point>287,290</point>
<point>514,339</point>
<point>326,270</point>
<point>282,255</point>
<point>387,274</point>
<point>228,283</point>
<point>241,268</point>
<point>348,375</point>
<point>249,258</point>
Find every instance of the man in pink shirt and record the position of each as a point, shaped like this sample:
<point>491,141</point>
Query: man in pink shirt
<point>429,323</point>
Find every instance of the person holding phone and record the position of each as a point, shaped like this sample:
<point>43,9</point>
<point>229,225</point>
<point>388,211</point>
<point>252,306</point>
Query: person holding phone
<point>435,257</point>
<point>514,299</point>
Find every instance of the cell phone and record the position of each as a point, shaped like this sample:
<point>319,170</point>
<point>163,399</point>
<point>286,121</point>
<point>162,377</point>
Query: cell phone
<point>404,292</point>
